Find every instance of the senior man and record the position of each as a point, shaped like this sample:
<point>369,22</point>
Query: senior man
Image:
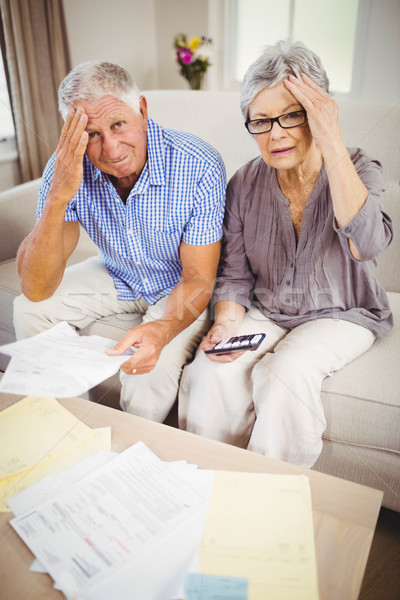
<point>152,200</point>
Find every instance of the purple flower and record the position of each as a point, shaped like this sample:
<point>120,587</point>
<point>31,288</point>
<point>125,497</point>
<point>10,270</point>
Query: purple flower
<point>184,56</point>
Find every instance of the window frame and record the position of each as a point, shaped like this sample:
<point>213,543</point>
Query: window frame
<point>222,28</point>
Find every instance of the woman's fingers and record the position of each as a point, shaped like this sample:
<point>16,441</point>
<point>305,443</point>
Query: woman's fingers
<point>322,113</point>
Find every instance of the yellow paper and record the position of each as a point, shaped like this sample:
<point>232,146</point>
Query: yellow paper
<point>259,527</point>
<point>38,437</point>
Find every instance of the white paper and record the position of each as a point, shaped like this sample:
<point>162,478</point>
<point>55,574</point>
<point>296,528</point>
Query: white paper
<point>59,363</point>
<point>55,483</point>
<point>180,548</point>
<point>131,508</point>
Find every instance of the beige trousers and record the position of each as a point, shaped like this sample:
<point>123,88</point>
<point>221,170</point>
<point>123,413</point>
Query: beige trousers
<point>269,400</point>
<point>87,293</point>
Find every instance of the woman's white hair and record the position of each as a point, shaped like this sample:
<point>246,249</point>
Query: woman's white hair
<point>93,79</point>
<point>275,64</point>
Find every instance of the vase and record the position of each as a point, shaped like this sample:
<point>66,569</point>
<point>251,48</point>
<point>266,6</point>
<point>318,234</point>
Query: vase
<point>196,80</point>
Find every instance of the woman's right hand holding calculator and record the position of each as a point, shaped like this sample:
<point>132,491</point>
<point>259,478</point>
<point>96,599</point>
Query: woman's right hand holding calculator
<point>221,347</point>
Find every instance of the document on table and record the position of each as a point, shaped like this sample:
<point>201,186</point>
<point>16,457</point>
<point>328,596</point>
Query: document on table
<point>38,436</point>
<point>104,535</point>
<point>113,524</point>
<point>258,539</point>
<point>58,363</point>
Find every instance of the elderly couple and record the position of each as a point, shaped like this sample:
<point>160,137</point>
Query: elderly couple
<point>295,248</point>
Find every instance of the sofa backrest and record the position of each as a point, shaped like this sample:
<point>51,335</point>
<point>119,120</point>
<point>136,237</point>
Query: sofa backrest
<point>216,117</point>
<point>376,129</point>
<point>213,116</point>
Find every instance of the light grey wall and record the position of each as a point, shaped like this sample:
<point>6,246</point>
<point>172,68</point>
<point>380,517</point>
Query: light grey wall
<point>174,17</point>
<point>138,34</point>
<point>121,31</point>
<point>380,75</point>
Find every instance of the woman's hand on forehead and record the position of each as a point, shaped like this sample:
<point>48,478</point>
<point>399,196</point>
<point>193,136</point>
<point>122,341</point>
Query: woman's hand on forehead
<point>322,111</point>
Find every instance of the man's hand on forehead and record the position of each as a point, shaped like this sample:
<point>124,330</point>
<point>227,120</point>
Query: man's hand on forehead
<point>68,170</point>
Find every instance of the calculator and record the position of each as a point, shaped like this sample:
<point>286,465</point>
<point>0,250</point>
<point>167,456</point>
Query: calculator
<point>238,344</point>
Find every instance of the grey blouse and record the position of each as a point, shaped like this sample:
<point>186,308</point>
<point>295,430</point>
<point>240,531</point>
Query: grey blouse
<point>293,281</point>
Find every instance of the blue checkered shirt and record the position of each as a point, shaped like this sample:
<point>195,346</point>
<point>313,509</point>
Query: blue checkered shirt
<point>179,196</point>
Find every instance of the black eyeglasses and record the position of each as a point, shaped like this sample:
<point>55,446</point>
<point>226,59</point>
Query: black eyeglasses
<point>292,119</point>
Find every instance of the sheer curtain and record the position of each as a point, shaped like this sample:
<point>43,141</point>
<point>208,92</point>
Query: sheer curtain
<point>37,58</point>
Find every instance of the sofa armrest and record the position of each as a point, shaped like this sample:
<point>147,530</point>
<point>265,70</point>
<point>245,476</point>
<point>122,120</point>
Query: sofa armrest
<point>17,216</point>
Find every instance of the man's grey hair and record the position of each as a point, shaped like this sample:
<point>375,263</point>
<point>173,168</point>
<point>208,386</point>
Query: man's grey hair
<point>93,79</point>
<point>275,64</point>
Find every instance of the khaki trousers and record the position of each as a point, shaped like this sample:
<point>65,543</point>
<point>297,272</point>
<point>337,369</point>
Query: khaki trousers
<point>269,400</point>
<point>87,293</point>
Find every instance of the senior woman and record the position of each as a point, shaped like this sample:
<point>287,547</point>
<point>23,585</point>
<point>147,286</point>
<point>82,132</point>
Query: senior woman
<point>303,226</point>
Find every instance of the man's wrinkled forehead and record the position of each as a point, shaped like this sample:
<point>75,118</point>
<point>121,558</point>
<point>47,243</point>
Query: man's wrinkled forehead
<point>106,108</point>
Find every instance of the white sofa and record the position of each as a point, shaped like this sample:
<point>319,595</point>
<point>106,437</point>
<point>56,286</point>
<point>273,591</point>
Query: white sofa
<point>362,402</point>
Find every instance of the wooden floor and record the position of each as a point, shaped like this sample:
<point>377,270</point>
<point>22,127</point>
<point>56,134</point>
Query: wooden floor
<point>382,575</point>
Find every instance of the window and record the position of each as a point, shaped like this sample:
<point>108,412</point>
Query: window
<point>328,28</point>
<point>6,119</point>
<point>258,23</point>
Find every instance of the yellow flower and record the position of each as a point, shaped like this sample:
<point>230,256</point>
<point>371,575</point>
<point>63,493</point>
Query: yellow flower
<point>194,43</point>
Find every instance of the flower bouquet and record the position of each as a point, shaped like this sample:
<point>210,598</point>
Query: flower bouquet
<point>193,58</point>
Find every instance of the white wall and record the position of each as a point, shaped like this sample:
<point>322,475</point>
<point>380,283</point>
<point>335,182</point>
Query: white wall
<point>138,34</point>
<point>121,31</point>
<point>380,76</point>
<point>173,17</point>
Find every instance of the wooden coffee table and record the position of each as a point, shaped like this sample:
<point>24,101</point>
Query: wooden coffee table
<point>344,513</point>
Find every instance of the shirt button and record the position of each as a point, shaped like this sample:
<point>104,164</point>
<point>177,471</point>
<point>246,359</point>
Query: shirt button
<point>287,301</point>
<point>348,230</point>
<point>288,282</point>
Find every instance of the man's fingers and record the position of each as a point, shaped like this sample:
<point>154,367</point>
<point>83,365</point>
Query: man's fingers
<point>121,347</point>
<point>77,133</point>
<point>142,362</point>
<point>73,133</point>
<point>83,142</point>
<point>145,338</point>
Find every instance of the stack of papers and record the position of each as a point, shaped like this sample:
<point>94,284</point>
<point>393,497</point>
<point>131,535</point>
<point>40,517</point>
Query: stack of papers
<point>59,363</point>
<point>123,526</point>
<point>131,526</point>
<point>37,437</point>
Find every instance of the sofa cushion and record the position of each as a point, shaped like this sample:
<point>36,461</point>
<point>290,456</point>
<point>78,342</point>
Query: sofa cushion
<point>362,409</point>
<point>17,216</point>
<point>354,400</point>
<point>10,287</point>
<point>373,467</point>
